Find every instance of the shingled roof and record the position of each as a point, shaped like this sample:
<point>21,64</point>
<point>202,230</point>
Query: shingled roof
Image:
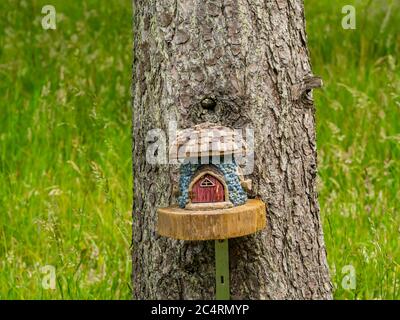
<point>207,139</point>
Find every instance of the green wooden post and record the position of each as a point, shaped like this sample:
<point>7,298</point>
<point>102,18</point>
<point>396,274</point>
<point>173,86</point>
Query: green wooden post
<point>222,269</point>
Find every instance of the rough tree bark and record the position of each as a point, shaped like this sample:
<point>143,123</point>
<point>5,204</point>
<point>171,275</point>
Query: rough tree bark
<point>251,57</point>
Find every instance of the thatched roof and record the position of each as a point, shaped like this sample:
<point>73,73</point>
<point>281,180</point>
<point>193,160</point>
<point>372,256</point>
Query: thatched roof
<point>207,139</point>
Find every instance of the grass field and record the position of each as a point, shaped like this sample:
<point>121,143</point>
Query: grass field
<point>65,147</point>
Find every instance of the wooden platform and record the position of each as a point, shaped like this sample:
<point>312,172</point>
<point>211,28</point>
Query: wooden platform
<point>182,224</point>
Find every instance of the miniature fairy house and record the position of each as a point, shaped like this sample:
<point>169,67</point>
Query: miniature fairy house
<point>212,197</point>
<point>211,194</point>
<point>209,175</point>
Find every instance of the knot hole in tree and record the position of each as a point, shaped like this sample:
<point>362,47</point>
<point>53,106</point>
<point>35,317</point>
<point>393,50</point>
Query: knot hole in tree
<point>219,110</point>
<point>208,104</point>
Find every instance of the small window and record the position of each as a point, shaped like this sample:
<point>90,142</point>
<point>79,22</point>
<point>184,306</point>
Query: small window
<point>207,183</point>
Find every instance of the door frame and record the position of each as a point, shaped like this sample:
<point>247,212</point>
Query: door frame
<point>199,175</point>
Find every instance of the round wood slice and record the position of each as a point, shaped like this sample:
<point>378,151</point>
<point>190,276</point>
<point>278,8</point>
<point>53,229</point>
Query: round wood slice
<point>182,224</point>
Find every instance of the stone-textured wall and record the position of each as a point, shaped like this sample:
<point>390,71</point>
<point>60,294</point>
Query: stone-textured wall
<point>236,193</point>
<point>186,172</point>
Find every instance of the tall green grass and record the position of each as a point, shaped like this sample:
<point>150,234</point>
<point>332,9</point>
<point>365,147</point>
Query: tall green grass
<point>65,147</point>
<point>358,133</point>
<point>65,159</point>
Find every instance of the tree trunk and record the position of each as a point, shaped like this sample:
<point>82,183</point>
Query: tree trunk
<point>251,57</point>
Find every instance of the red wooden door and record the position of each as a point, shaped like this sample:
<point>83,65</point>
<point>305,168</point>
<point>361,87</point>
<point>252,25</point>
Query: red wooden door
<point>208,189</point>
